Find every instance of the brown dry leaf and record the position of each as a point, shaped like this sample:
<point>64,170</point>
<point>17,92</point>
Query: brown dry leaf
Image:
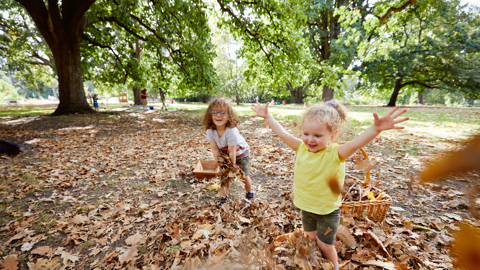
<point>301,257</point>
<point>43,250</point>
<point>377,240</point>
<point>78,219</point>
<point>204,230</point>
<point>128,255</point>
<point>384,265</point>
<point>243,220</point>
<point>68,257</point>
<point>44,264</point>
<point>343,233</point>
<point>327,231</point>
<point>334,185</point>
<point>467,159</point>
<point>135,240</point>
<point>364,165</point>
<point>466,247</point>
<point>10,263</point>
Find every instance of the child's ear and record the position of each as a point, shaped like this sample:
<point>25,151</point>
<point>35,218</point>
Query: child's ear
<point>334,134</point>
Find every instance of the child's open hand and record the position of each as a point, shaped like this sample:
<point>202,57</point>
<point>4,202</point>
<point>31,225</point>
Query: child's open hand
<point>260,111</point>
<point>388,121</point>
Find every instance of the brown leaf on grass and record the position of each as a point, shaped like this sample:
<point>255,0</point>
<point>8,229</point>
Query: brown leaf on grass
<point>43,250</point>
<point>343,233</point>
<point>364,165</point>
<point>301,257</point>
<point>465,160</point>
<point>44,264</point>
<point>10,263</point>
<point>466,247</point>
<point>135,240</point>
<point>68,257</point>
<point>334,185</point>
<point>128,255</point>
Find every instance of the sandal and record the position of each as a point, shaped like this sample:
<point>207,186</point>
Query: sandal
<point>223,200</point>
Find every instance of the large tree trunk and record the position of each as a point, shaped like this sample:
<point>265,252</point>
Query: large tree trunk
<point>327,93</point>
<point>420,99</point>
<point>62,29</point>
<point>237,99</point>
<point>70,80</point>
<point>137,96</point>
<point>396,91</point>
<point>296,92</point>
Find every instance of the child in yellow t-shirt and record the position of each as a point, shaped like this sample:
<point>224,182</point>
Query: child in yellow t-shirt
<point>319,160</point>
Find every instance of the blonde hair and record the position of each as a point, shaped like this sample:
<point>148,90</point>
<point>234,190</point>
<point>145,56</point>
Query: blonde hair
<point>224,104</point>
<point>332,113</point>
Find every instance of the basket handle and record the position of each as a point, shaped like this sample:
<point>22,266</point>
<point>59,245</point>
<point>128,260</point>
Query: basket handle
<point>367,175</point>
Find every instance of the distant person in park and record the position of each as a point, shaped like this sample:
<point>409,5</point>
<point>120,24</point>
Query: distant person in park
<point>320,164</point>
<point>162,96</point>
<point>143,97</point>
<point>185,100</point>
<point>221,123</point>
<point>95,102</point>
<point>172,101</point>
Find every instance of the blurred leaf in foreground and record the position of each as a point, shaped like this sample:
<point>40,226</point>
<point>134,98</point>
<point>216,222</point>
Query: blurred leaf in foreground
<point>464,160</point>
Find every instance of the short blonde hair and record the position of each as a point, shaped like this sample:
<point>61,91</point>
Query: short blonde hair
<point>332,113</point>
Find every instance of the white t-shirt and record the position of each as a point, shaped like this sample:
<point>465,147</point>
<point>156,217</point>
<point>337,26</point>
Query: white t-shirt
<point>230,137</point>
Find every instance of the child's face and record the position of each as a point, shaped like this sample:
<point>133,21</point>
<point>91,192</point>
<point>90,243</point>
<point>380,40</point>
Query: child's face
<point>219,116</point>
<point>316,135</point>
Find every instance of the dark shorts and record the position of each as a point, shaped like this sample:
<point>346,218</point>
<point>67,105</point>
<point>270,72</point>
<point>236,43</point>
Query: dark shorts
<point>325,225</point>
<point>245,164</point>
<point>95,105</point>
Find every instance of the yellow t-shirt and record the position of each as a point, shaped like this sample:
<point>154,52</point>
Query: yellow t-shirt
<point>311,174</point>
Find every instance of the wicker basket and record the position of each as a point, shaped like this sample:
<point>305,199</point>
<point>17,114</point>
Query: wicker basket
<point>376,211</point>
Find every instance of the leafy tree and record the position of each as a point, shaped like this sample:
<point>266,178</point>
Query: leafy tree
<point>428,46</point>
<point>174,32</point>
<point>7,91</point>
<point>301,39</point>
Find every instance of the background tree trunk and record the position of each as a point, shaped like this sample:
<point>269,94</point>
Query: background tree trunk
<point>396,91</point>
<point>420,99</point>
<point>327,93</point>
<point>137,96</point>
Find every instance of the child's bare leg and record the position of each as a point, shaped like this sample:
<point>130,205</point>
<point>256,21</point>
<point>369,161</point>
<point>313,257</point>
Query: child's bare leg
<point>328,251</point>
<point>248,183</point>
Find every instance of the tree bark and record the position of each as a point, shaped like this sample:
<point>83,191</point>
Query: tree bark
<point>327,93</point>
<point>137,96</point>
<point>62,30</point>
<point>70,81</point>
<point>396,91</point>
<point>237,99</point>
<point>420,99</point>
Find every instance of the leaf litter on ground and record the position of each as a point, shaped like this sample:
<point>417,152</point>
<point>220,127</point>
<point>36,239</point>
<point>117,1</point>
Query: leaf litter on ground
<point>127,198</point>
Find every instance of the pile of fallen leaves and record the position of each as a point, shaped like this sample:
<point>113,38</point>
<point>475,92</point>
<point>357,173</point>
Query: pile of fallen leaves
<point>229,171</point>
<point>119,193</point>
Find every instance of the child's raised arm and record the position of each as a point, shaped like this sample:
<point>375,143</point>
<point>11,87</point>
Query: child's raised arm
<point>380,124</point>
<point>292,141</point>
